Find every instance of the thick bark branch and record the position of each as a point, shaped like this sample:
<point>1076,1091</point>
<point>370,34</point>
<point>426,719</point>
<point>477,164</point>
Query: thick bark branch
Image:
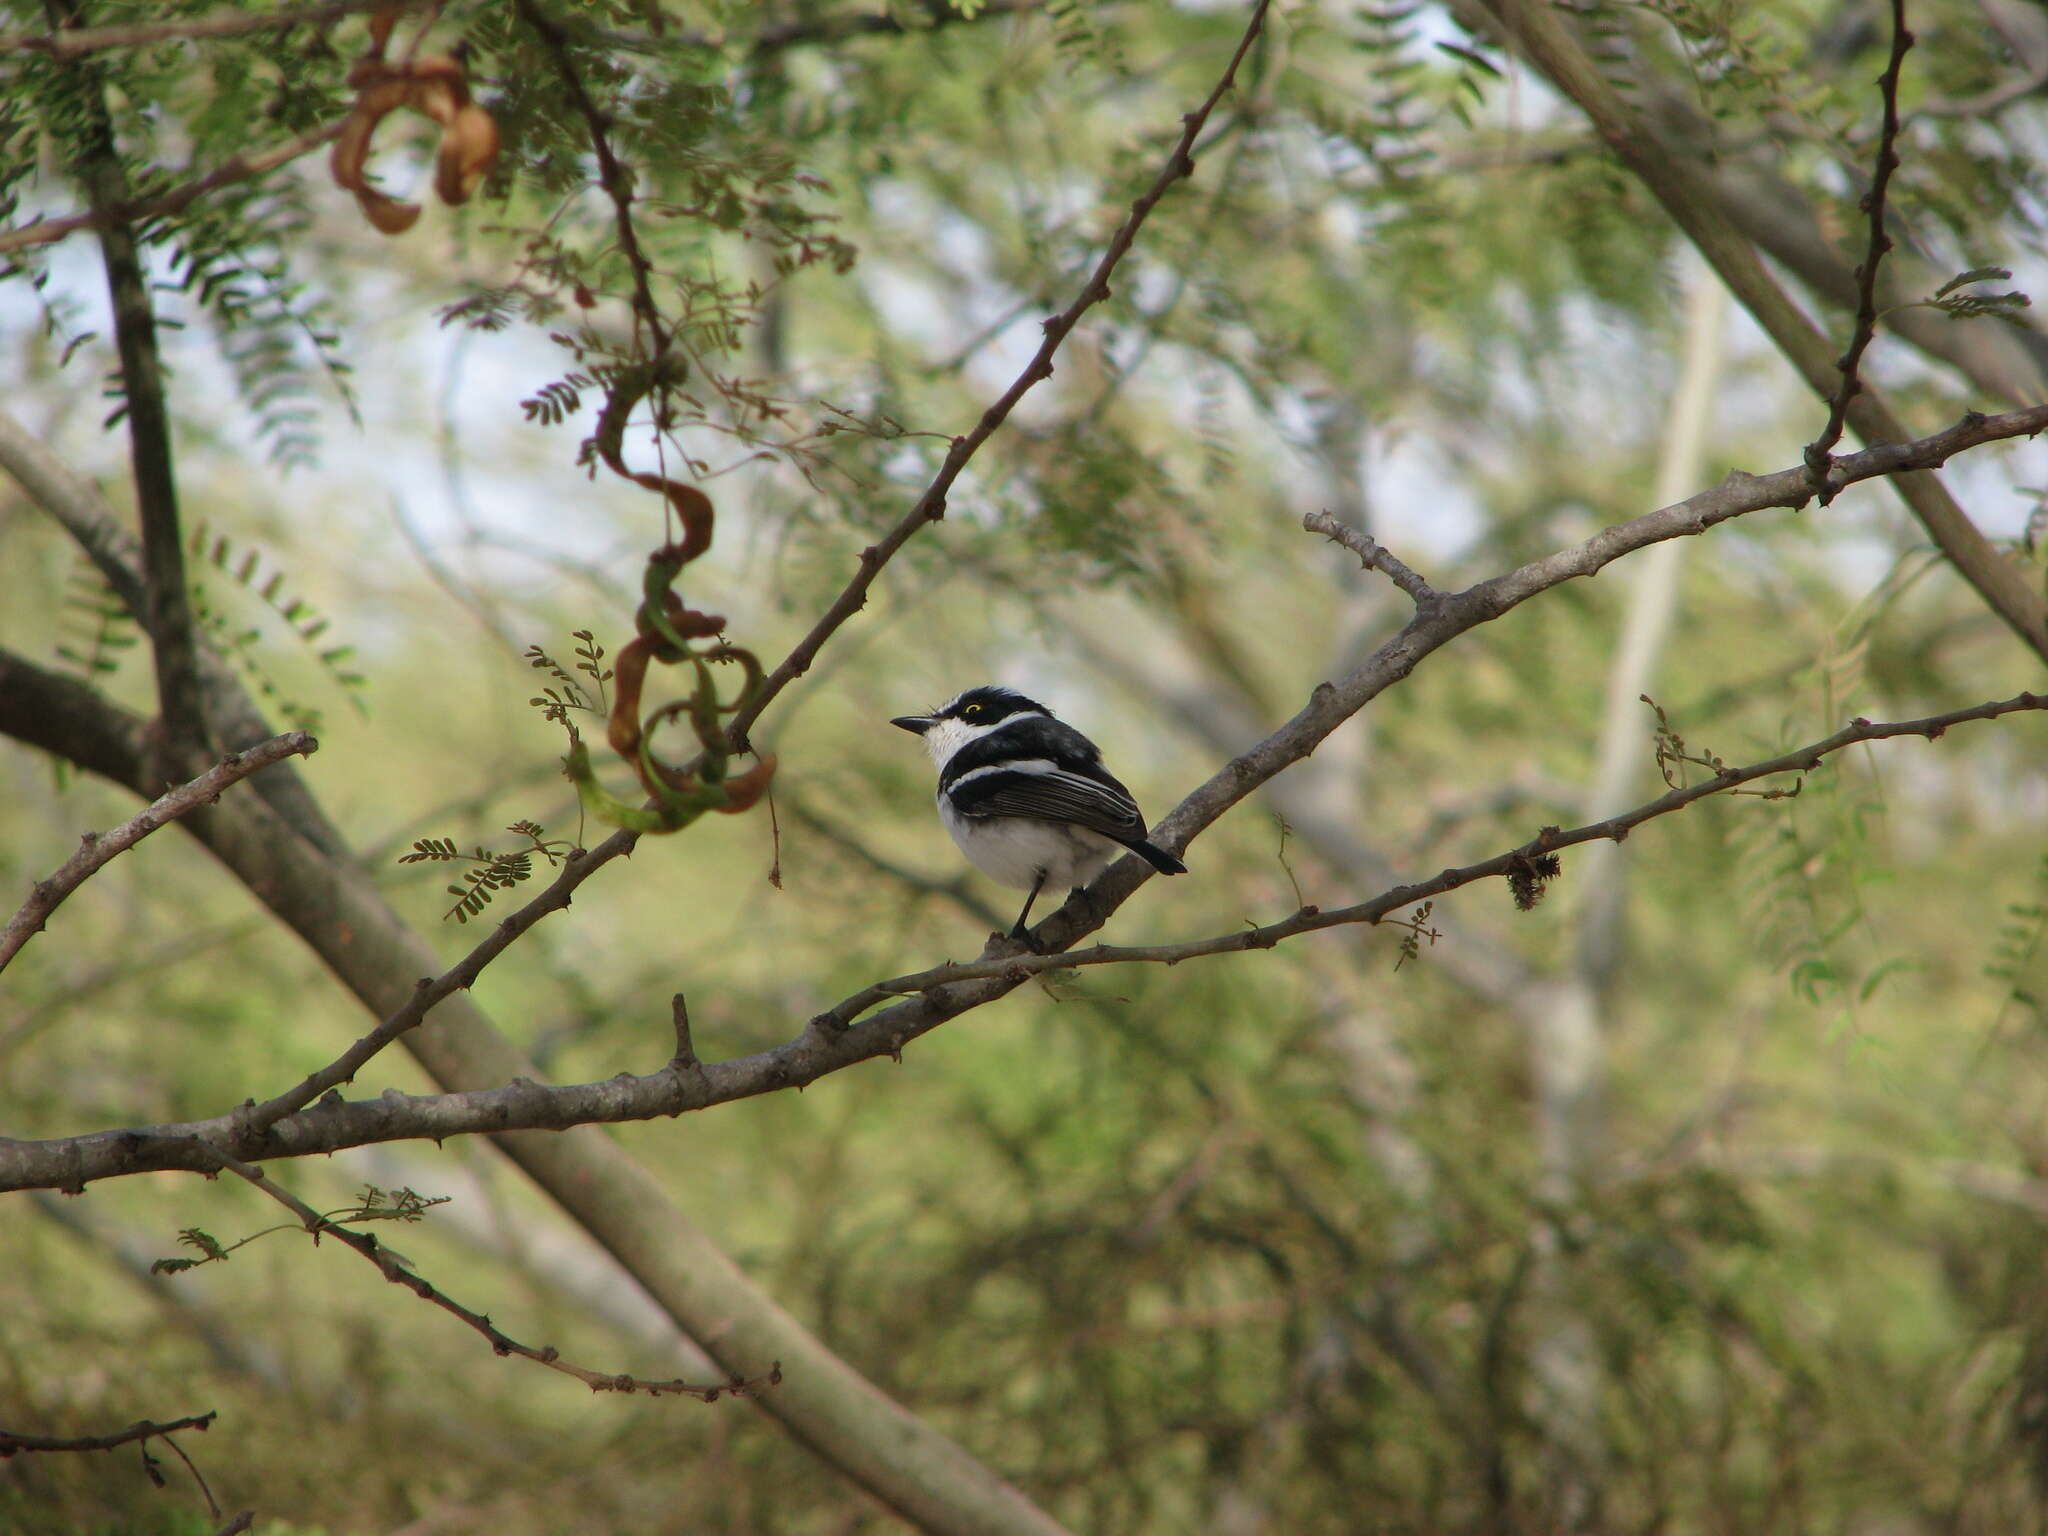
<point>80,510</point>
<point>167,610</point>
<point>2005,360</point>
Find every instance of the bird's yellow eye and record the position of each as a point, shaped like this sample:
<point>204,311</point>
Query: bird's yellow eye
<point>970,712</point>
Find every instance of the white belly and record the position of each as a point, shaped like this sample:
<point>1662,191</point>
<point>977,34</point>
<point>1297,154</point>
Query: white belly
<point>1017,850</point>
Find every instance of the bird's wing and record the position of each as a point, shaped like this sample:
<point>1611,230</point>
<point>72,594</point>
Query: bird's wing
<point>1041,788</point>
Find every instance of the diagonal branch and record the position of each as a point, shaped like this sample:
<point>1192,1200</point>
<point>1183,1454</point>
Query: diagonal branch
<point>238,167</point>
<point>1310,919</point>
<point>399,1272</point>
<point>579,865</point>
<point>338,912</point>
<point>96,849</point>
<point>1542,33</point>
<point>254,1120</point>
<point>931,506</point>
<point>78,507</point>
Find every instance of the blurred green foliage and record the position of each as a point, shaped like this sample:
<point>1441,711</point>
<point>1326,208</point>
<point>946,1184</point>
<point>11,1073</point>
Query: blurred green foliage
<point>1267,1243</point>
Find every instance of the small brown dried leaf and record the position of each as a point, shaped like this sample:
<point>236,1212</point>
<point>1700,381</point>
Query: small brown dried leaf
<point>436,87</point>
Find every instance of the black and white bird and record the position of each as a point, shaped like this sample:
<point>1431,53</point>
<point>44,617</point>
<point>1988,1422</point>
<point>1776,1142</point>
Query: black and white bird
<point>1026,796</point>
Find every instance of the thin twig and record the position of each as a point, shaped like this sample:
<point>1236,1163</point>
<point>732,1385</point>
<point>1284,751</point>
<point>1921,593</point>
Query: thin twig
<point>612,175</point>
<point>238,167</point>
<point>399,1272</point>
<point>1374,555</point>
<point>95,849</point>
<point>205,1492</point>
<point>252,1120</point>
<point>931,506</point>
<point>73,42</point>
<point>12,1444</point>
<point>1819,453</point>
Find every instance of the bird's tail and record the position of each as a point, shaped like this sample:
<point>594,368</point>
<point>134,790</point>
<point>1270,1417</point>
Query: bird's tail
<point>1157,857</point>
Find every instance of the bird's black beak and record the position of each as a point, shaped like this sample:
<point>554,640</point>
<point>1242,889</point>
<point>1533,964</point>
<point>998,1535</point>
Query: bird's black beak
<point>917,725</point>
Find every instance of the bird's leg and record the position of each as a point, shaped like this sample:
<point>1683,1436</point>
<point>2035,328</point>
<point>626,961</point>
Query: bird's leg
<point>1017,932</point>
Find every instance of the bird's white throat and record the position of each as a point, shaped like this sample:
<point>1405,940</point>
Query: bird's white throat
<point>948,736</point>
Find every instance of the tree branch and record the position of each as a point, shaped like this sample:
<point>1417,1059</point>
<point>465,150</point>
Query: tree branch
<point>335,908</point>
<point>400,1272</point>
<point>612,175</point>
<point>254,1120</point>
<point>167,612</point>
<point>931,506</point>
<point>27,712</point>
<point>2005,361</point>
<point>337,911</point>
<point>1543,35</point>
<point>12,1444</point>
<point>1372,554</point>
<point>77,506</point>
<point>238,167</point>
<point>75,42</point>
<point>96,849</point>
<point>1312,919</point>
<point>578,866</point>
<point>1820,451</point>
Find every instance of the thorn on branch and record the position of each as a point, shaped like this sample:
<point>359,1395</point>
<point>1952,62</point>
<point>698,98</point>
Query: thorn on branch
<point>685,1058</point>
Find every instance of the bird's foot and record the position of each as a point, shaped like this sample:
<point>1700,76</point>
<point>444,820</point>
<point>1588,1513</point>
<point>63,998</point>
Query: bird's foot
<point>1017,941</point>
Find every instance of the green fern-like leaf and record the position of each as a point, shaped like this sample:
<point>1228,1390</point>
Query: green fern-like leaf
<point>493,871</point>
<point>243,567</point>
<point>94,626</point>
